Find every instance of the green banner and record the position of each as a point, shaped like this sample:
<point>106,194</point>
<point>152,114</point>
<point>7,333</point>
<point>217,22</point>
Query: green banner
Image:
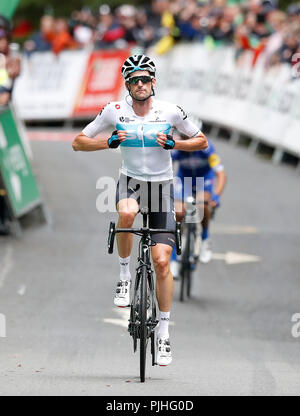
<point>15,169</point>
<point>8,7</point>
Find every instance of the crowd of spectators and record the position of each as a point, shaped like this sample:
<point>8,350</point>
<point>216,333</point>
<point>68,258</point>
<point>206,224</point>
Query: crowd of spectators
<point>257,27</point>
<point>10,62</point>
<point>251,25</point>
<point>10,66</point>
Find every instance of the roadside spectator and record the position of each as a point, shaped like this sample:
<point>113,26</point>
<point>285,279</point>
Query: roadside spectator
<point>278,21</point>
<point>126,16</point>
<point>82,25</point>
<point>256,28</point>
<point>61,38</point>
<point>10,64</point>
<point>290,44</point>
<point>143,32</point>
<point>220,28</point>
<point>108,31</point>
<point>155,14</point>
<point>293,12</point>
<point>40,41</point>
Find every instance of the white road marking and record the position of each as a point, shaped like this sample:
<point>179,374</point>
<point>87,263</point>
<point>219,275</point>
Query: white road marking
<point>21,290</point>
<point>233,229</point>
<point>122,321</point>
<point>2,326</point>
<point>7,265</point>
<point>235,258</point>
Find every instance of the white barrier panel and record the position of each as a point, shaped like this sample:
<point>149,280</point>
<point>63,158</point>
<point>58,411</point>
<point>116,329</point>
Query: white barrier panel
<point>48,85</point>
<point>102,82</point>
<point>210,85</point>
<point>207,83</point>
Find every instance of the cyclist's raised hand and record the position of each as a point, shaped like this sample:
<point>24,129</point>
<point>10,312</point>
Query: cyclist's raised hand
<point>166,141</point>
<point>116,138</point>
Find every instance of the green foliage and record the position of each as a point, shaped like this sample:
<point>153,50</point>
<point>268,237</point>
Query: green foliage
<point>64,8</point>
<point>283,4</point>
<point>34,9</point>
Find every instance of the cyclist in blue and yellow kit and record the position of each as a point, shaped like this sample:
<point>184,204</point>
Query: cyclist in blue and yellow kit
<point>204,164</point>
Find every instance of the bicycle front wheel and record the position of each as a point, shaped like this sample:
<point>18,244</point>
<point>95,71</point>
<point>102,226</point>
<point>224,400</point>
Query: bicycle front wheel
<point>143,323</point>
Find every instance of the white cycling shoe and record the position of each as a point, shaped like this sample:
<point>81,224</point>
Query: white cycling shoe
<point>164,355</point>
<point>205,251</point>
<point>122,296</point>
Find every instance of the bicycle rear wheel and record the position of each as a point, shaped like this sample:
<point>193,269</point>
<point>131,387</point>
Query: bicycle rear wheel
<point>143,323</point>
<point>189,272</point>
<point>185,265</point>
<point>182,284</point>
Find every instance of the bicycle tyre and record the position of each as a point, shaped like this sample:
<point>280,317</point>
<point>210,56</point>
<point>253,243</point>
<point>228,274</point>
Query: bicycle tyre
<point>111,237</point>
<point>188,270</point>
<point>184,265</point>
<point>143,323</point>
<point>182,284</point>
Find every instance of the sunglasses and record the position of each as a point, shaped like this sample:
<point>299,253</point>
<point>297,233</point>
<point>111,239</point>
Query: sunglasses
<point>144,78</point>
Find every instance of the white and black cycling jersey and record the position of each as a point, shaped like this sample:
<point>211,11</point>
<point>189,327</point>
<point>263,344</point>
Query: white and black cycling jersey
<point>142,157</point>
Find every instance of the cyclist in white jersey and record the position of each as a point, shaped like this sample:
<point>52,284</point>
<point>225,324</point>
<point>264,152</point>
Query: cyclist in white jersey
<point>143,129</point>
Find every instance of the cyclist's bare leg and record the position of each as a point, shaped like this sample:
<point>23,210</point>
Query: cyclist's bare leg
<point>164,280</point>
<point>127,210</point>
<point>206,196</point>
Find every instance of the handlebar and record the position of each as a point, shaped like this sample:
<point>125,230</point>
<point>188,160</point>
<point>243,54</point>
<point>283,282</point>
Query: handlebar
<point>144,231</point>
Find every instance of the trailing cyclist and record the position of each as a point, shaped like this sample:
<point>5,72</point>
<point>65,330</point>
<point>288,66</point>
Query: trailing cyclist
<point>143,129</point>
<point>204,164</point>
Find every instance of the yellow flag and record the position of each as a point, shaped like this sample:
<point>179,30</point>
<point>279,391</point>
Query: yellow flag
<point>167,20</point>
<point>164,44</point>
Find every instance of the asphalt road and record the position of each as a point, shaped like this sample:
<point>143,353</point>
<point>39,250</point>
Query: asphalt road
<point>234,337</point>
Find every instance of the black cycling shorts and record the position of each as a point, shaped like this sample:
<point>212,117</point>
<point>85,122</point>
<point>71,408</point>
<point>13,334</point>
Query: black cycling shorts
<point>158,197</point>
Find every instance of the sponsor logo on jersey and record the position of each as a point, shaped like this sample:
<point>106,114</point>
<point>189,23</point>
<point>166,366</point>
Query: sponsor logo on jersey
<point>117,106</point>
<point>142,135</point>
<point>184,116</point>
<point>214,160</point>
<point>103,109</point>
<point>157,120</point>
<point>125,119</point>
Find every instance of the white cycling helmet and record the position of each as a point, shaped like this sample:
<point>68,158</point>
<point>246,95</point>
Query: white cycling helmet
<point>138,63</point>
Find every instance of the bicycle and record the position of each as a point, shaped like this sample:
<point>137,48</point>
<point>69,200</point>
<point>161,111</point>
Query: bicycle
<point>191,246</point>
<point>142,321</point>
